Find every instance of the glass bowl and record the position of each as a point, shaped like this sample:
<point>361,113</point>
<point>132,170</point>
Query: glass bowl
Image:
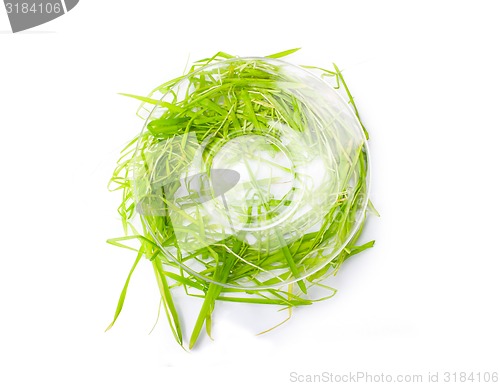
<point>250,173</point>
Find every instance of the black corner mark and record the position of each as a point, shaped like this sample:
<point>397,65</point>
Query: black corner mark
<point>25,14</point>
<point>70,4</point>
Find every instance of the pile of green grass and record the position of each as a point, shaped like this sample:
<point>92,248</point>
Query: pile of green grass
<point>220,98</point>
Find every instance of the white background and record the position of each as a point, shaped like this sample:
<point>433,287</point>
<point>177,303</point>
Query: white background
<point>426,77</point>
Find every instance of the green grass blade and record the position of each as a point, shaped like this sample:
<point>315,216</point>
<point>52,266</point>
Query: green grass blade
<point>168,303</point>
<point>283,53</point>
<point>123,294</point>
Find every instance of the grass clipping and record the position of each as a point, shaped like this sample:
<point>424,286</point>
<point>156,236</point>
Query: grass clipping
<point>247,184</point>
